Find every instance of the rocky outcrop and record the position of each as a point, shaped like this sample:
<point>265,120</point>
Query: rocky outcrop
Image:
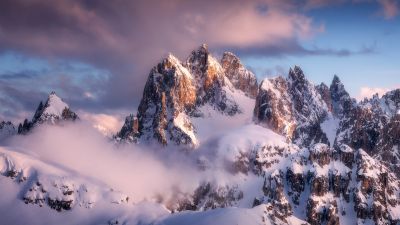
<point>362,127</point>
<point>273,107</point>
<point>326,213</point>
<point>168,95</point>
<point>212,85</point>
<point>342,103</point>
<point>375,182</point>
<point>388,146</point>
<point>292,107</point>
<point>130,130</point>
<point>321,154</point>
<point>176,91</point>
<point>274,192</point>
<point>207,196</point>
<point>241,78</point>
<point>325,93</point>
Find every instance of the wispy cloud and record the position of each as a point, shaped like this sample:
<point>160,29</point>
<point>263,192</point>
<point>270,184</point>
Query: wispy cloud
<point>368,92</point>
<point>390,8</point>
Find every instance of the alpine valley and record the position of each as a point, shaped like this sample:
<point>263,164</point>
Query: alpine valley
<point>210,144</point>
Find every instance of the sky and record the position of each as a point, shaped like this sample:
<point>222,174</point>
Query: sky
<point>97,54</point>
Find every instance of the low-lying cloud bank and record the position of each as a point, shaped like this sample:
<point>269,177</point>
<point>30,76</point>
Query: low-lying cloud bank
<point>141,172</point>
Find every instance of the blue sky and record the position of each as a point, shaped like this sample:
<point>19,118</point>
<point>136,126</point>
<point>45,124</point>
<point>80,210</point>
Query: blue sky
<point>351,27</point>
<point>98,55</point>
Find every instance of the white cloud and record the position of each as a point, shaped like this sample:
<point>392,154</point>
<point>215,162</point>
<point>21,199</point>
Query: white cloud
<point>368,92</point>
<point>107,124</point>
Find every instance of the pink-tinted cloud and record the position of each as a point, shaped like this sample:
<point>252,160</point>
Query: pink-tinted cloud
<point>368,92</point>
<point>107,124</point>
<point>127,38</point>
<point>390,8</point>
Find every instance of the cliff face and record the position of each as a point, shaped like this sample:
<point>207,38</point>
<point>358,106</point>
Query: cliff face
<point>241,78</point>
<point>169,94</point>
<point>292,107</point>
<point>175,92</point>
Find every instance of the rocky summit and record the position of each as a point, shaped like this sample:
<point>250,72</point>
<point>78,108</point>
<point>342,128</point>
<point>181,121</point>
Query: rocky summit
<point>176,92</point>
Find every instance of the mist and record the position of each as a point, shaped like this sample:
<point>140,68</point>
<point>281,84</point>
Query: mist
<point>138,171</point>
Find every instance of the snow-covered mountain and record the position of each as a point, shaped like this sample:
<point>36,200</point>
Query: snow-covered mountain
<point>54,111</point>
<point>285,151</point>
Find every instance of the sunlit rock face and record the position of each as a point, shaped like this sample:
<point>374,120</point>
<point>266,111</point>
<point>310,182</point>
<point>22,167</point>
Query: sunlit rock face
<point>241,78</point>
<point>212,85</point>
<point>54,111</point>
<point>274,106</point>
<point>169,94</point>
<point>292,107</point>
<point>176,91</point>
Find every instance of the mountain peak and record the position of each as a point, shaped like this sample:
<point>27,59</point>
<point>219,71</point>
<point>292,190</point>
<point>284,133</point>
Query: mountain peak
<point>241,78</point>
<point>337,89</point>
<point>336,79</point>
<point>203,47</point>
<point>54,105</point>
<point>54,110</point>
<point>296,74</point>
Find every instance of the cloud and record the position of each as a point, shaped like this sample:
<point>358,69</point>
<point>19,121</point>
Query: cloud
<point>294,48</point>
<point>390,8</point>
<point>107,124</point>
<point>368,92</point>
<point>123,40</point>
<point>127,38</point>
<point>135,170</point>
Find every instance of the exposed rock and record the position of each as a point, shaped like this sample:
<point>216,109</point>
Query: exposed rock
<point>292,107</point>
<point>175,92</point>
<point>273,107</point>
<point>130,129</point>
<point>241,78</point>
<point>274,192</point>
<point>320,153</point>
<point>346,155</point>
<point>326,213</point>
<point>168,95</point>
<point>212,86</point>
<point>325,93</point>
<point>340,98</point>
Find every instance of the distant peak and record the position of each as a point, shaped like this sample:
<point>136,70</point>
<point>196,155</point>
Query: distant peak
<point>229,54</point>
<point>336,80</point>
<point>337,85</point>
<point>202,50</point>
<point>296,74</point>
<point>171,58</point>
<point>204,46</point>
<point>323,85</point>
